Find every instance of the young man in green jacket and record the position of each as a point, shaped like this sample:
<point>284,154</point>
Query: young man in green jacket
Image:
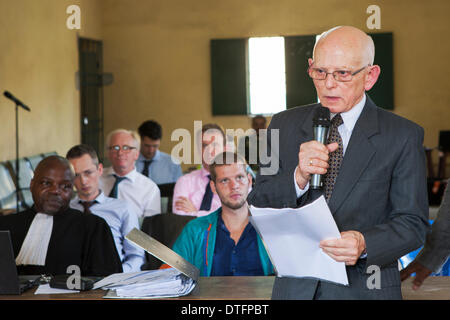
<point>224,243</point>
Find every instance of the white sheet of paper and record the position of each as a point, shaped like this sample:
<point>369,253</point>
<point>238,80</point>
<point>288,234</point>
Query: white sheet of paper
<point>116,278</point>
<point>46,289</point>
<point>292,239</point>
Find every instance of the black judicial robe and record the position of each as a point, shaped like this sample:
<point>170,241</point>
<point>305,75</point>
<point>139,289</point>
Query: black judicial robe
<point>78,239</point>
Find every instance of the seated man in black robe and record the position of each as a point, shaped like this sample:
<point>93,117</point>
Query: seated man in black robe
<point>50,237</point>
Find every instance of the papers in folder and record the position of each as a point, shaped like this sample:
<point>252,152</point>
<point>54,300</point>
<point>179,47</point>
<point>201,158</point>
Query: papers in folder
<point>147,284</point>
<point>292,237</point>
<point>177,281</point>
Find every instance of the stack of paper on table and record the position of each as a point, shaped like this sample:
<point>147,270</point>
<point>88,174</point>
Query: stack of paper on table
<point>147,284</point>
<point>177,281</point>
<point>292,237</point>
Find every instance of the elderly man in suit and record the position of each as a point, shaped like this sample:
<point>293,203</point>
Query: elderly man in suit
<point>373,167</point>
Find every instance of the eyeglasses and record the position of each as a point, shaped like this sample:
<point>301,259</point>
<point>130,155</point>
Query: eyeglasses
<point>338,75</point>
<point>124,148</point>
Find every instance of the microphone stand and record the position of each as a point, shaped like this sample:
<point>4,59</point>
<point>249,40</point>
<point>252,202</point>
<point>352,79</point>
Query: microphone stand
<point>17,156</point>
<point>18,103</point>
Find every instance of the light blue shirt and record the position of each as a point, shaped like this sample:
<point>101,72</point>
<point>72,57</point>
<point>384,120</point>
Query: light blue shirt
<point>118,215</point>
<point>163,169</point>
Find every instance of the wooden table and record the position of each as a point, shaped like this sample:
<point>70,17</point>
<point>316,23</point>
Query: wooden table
<point>208,288</point>
<point>248,288</point>
<point>433,288</point>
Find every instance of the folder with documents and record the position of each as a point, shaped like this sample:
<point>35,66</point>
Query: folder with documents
<point>177,281</point>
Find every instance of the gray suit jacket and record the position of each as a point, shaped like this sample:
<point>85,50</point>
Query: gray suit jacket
<point>380,191</point>
<point>437,246</point>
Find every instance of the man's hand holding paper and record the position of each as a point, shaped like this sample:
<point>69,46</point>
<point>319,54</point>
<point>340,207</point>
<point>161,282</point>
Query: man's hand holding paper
<point>347,249</point>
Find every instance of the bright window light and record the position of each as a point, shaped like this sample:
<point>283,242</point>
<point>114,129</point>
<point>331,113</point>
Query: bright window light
<point>267,75</point>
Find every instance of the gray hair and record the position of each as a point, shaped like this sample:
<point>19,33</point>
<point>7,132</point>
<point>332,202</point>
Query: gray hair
<point>133,134</point>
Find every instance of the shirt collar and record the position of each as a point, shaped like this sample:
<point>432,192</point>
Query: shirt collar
<point>99,199</point>
<point>155,157</point>
<point>350,117</point>
<point>222,225</point>
<point>130,175</point>
<point>204,173</point>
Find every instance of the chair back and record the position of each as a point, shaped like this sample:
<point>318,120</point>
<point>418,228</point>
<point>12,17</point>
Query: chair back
<point>7,189</point>
<point>34,160</point>
<point>444,140</point>
<point>25,175</point>
<point>48,154</point>
<point>166,196</point>
<point>164,227</point>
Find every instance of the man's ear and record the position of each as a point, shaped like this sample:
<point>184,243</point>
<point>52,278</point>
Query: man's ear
<point>213,186</point>
<point>136,155</point>
<point>100,168</point>
<point>372,77</point>
<point>310,62</point>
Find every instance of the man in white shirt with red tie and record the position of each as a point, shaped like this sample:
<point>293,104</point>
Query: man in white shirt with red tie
<point>122,181</point>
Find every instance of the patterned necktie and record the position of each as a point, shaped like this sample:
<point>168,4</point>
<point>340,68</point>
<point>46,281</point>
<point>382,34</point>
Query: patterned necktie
<point>207,198</point>
<point>146,165</point>
<point>115,190</point>
<point>87,205</point>
<point>335,157</point>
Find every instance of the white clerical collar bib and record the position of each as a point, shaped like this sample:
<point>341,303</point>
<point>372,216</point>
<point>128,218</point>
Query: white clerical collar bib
<point>34,247</point>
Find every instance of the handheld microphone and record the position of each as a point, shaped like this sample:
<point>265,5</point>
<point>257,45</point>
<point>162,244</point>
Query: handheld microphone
<point>15,100</point>
<point>321,125</point>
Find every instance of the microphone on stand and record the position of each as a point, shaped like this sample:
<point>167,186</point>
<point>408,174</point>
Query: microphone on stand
<point>18,103</point>
<point>15,100</point>
<point>321,125</point>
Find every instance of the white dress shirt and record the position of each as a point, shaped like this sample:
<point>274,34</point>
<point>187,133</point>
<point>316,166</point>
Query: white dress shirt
<point>163,169</point>
<point>141,192</point>
<point>121,220</point>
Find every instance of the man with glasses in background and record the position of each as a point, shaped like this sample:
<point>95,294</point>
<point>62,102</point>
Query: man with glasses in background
<point>122,181</point>
<point>90,199</point>
<point>372,167</point>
